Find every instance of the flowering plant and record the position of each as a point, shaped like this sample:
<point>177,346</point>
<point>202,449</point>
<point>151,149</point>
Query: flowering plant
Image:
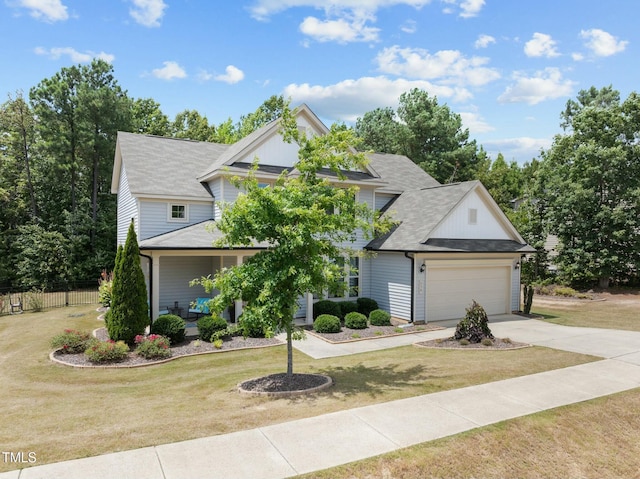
<point>153,346</point>
<point>71,341</point>
<point>106,351</point>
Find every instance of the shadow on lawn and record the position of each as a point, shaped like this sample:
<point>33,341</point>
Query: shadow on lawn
<point>373,380</point>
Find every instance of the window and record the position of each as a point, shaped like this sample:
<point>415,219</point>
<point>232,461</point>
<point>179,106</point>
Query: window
<point>354,277</point>
<point>473,216</point>
<point>178,212</point>
<point>348,285</point>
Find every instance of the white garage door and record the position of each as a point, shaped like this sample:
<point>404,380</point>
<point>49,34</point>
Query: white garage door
<point>451,290</point>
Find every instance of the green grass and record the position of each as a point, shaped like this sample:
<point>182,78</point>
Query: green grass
<point>63,413</point>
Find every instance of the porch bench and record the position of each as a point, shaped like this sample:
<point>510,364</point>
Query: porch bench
<point>199,308</point>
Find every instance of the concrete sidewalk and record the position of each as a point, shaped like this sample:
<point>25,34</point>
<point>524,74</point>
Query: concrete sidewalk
<point>291,448</point>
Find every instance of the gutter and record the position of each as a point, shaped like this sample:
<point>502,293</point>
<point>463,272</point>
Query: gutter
<point>413,279</point>
<point>150,286</point>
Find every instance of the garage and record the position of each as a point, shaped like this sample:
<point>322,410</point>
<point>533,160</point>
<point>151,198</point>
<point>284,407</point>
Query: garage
<point>450,290</point>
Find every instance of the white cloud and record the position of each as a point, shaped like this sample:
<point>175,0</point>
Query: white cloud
<point>148,12</point>
<point>342,30</point>
<point>471,8</point>
<point>547,84</point>
<point>232,75</point>
<point>448,66</point>
<point>263,9</point>
<point>46,10</point>
<point>484,41</point>
<point>578,57</point>
<point>541,45</point>
<point>74,55</point>
<point>601,43</point>
<point>350,99</point>
<point>170,71</point>
<point>522,148</point>
<point>475,122</point>
<point>410,26</point>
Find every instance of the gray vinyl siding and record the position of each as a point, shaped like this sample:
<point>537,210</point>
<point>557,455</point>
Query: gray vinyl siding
<point>216,190</point>
<point>153,217</point>
<point>301,312</point>
<point>127,208</point>
<point>382,199</point>
<point>229,192</point>
<point>175,274</point>
<point>391,283</point>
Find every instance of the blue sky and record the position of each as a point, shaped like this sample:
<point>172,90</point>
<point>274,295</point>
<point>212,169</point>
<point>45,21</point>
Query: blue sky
<point>507,67</point>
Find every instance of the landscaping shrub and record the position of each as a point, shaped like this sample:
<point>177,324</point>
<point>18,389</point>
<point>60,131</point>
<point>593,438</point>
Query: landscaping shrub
<point>106,351</point>
<point>105,288</point>
<point>129,309</point>
<point>153,346</point>
<point>71,341</point>
<point>171,326</point>
<point>347,307</point>
<point>326,307</point>
<point>366,305</point>
<point>380,317</point>
<point>327,323</point>
<point>208,325</point>
<point>254,327</point>
<point>474,327</point>
<point>355,320</point>
<point>229,331</point>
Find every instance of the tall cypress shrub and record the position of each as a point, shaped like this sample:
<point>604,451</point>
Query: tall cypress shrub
<point>129,314</point>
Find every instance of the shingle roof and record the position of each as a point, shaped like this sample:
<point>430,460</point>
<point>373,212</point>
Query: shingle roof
<point>166,166</point>
<point>418,212</point>
<point>198,236</point>
<point>400,173</point>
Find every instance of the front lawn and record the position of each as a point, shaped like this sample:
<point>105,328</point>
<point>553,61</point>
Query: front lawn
<point>62,413</point>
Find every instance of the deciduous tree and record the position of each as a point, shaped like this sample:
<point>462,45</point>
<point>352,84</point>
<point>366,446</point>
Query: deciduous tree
<point>307,219</point>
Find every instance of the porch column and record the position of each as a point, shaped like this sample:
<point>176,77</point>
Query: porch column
<point>155,289</point>
<point>309,317</point>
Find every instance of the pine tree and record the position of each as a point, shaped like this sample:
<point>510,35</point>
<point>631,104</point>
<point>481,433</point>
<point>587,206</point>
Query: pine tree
<point>129,314</point>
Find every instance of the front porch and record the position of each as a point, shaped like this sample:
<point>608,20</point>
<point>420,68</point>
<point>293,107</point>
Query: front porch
<point>169,272</point>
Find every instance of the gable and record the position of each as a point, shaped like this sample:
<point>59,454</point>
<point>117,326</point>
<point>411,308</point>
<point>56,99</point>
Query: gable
<point>475,217</point>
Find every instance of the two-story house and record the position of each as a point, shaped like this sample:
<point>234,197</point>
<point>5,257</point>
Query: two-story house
<point>452,243</point>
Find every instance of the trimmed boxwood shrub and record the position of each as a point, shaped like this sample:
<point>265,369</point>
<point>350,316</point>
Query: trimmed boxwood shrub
<point>326,307</point>
<point>355,320</point>
<point>208,325</point>
<point>347,307</point>
<point>171,326</point>
<point>380,317</point>
<point>366,305</point>
<point>327,323</point>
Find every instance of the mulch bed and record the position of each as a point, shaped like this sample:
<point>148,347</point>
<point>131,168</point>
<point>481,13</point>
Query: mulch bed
<point>371,332</point>
<point>190,346</point>
<point>450,343</point>
<point>280,385</point>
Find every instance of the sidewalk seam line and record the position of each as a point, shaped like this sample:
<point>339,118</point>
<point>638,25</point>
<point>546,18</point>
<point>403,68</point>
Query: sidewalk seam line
<point>259,429</point>
<point>155,451</point>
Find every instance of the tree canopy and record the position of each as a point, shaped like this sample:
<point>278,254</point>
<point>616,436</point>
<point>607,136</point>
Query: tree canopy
<point>590,181</point>
<point>428,133</point>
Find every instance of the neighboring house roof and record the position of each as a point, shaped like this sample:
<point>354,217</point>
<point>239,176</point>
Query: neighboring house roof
<point>198,236</point>
<point>163,167</point>
<point>417,214</point>
<point>400,173</point>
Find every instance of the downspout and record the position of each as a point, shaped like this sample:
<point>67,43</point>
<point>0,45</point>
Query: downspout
<point>150,286</point>
<point>413,279</point>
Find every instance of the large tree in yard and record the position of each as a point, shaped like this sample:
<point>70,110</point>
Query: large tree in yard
<point>590,180</point>
<point>307,218</point>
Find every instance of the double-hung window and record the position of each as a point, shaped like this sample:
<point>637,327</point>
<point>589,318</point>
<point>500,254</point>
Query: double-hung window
<point>348,284</point>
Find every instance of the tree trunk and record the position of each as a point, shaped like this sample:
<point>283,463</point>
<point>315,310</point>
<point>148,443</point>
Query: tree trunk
<point>289,354</point>
<point>528,298</point>
<point>603,282</point>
